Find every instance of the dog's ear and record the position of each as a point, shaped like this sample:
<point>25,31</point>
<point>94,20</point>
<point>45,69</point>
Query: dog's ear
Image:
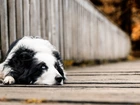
<point>59,64</point>
<point>57,56</point>
<point>25,56</point>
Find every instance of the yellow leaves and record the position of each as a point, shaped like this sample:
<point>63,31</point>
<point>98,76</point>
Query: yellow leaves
<point>34,100</point>
<point>27,101</point>
<point>109,9</point>
<point>68,63</point>
<point>135,36</point>
<point>2,99</point>
<point>131,58</point>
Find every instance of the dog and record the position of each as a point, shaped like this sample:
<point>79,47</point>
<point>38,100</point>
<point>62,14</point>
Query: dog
<point>32,60</point>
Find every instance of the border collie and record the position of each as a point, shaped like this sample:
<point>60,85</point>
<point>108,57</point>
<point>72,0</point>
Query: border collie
<point>32,60</point>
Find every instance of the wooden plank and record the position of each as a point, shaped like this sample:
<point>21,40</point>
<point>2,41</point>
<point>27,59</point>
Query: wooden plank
<point>66,36</point>
<point>52,30</point>
<point>81,42</point>
<point>116,45</point>
<point>113,44</point>
<point>107,79</point>
<point>79,39</point>
<point>70,31</point>
<point>26,19</point>
<point>100,39</point>
<point>4,28</point>
<point>93,36</point>
<point>122,87</point>
<point>43,18</point>
<point>38,18</point>
<point>61,33</point>
<point>76,96</point>
<point>73,32</point>
<point>19,18</point>
<point>47,18</point>
<point>88,47</point>
<point>120,39</point>
<point>102,85</point>
<point>108,42</point>
<point>33,18</point>
<point>48,23</point>
<point>12,20</point>
<point>55,28</point>
<point>82,32</point>
<point>85,36</point>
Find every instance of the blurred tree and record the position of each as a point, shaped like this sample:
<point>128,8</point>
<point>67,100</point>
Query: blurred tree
<point>126,14</point>
<point>125,17</point>
<point>117,10</point>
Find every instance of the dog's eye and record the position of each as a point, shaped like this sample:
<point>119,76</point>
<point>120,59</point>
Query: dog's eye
<point>44,67</point>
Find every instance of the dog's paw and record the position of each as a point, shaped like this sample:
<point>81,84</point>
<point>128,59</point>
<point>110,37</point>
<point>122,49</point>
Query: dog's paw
<point>9,80</point>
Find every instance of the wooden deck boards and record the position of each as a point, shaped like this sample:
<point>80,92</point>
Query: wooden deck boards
<point>111,84</point>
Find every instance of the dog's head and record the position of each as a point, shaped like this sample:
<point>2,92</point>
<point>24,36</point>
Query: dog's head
<point>51,69</point>
<point>32,66</point>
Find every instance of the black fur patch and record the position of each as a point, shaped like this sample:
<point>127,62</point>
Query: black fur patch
<point>25,69</point>
<point>59,69</point>
<point>57,56</point>
<point>59,63</point>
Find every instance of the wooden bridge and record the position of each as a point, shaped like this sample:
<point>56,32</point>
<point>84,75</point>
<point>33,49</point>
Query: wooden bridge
<point>117,83</point>
<point>80,32</point>
<point>77,29</point>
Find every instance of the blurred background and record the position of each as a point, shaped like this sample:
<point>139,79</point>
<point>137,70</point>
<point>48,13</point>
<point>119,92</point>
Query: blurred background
<point>82,30</point>
<point>126,14</point>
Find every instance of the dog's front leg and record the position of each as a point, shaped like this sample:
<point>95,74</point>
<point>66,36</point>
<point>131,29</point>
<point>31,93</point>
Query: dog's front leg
<point>8,77</point>
<point>1,72</point>
<point>9,80</point>
<point>3,75</point>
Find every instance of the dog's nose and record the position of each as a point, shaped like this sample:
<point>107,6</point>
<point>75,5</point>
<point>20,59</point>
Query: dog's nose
<point>58,79</point>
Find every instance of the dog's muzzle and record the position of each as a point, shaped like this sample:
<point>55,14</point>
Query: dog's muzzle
<point>59,80</point>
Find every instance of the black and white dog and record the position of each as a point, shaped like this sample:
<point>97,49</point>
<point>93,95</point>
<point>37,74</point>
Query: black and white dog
<point>32,60</point>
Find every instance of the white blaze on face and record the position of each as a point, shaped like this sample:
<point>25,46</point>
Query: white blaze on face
<point>48,76</point>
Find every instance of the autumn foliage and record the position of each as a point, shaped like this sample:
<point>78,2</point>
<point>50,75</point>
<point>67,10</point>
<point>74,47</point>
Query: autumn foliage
<point>125,13</point>
<point>135,36</point>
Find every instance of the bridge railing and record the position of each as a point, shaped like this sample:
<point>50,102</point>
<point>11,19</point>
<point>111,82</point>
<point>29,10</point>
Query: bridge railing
<point>77,29</point>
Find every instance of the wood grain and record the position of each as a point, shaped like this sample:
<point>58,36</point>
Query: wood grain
<point>75,27</point>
